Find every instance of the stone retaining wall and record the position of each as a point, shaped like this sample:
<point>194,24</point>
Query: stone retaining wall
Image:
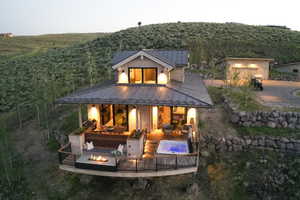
<point>245,143</point>
<point>273,119</point>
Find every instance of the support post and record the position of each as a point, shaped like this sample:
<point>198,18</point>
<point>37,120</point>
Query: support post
<point>80,116</point>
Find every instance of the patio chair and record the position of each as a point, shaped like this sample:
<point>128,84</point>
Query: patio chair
<point>167,129</point>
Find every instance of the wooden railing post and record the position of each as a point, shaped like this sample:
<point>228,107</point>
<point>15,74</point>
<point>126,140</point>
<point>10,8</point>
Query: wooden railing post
<point>59,158</point>
<point>136,165</point>
<point>116,162</point>
<point>74,159</point>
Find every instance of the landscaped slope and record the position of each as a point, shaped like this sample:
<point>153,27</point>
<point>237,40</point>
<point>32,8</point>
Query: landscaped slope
<point>30,45</point>
<point>46,76</point>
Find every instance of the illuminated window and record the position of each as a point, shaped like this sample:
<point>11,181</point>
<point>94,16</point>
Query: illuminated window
<point>143,75</point>
<point>164,116</point>
<point>106,116</point>
<point>150,75</point>
<point>121,116</point>
<point>135,75</point>
<point>178,116</point>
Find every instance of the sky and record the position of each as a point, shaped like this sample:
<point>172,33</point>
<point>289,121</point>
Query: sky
<point>33,17</point>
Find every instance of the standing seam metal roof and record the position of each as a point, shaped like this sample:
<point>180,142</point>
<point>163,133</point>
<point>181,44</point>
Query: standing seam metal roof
<point>175,94</point>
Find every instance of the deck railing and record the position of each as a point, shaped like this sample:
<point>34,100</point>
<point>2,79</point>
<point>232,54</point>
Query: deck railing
<point>158,163</point>
<point>123,163</point>
<point>65,156</point>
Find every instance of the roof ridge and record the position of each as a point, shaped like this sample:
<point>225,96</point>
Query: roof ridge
<point>161,58</point>
<point>176,90</point>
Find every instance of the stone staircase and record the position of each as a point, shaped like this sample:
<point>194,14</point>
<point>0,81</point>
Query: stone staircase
<point>150,148</point>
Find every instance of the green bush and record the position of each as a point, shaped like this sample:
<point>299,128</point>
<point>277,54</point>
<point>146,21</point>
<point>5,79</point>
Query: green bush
<point>46,76</point>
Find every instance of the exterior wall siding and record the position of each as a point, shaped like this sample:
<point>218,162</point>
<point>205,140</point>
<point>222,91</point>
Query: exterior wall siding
<point>247,69</point>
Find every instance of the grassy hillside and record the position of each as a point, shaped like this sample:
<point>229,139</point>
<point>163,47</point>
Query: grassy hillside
<point>47,75</point>
<point>29,45</point>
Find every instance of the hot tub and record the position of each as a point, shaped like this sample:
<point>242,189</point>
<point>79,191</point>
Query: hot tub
<point>173,147</point>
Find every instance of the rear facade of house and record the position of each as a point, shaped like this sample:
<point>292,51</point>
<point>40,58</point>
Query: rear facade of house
<point>144,123</point>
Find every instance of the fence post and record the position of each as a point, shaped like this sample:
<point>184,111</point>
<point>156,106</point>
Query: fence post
<point>116,162</point>
<point>176,162</point>
<point>59,158</point>
<point>74,159</point>
<point>156,164</point>
<point>136,165</point>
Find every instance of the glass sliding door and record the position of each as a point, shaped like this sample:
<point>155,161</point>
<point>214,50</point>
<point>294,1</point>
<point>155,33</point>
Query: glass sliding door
<point>164,116</point>
<point>178,115</point>
<point>106,115</point>
<point>121,116</point>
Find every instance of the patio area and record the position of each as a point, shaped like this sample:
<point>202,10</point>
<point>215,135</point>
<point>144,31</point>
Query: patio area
<point>123,166</point>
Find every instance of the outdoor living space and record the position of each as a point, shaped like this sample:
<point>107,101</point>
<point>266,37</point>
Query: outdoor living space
<point>118,137</point>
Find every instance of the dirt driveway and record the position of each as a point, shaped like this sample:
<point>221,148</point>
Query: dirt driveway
<point>275,93</point>
<point>280,93</point>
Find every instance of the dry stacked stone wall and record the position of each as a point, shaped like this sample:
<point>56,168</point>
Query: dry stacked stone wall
<point>246,143</point>
<point>273,119</point>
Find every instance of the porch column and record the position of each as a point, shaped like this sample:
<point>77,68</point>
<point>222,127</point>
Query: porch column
<point>79,116</point>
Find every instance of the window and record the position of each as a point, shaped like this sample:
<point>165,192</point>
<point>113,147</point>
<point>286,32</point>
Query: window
<point>295,70</point>
<point>178,117</point>
<point>143,75</point>
<point>150,75</point>
<point>121,116</point>
<point>164,116</point>
<point>135,75</point>
<point>106,116</point>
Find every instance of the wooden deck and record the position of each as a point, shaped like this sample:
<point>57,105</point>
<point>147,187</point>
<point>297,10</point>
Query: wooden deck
<point>130,174</point>
<point>149,165</point>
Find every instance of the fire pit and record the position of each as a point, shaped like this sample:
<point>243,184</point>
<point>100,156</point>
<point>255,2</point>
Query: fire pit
<point>96,162</point>
<point>97,158</point>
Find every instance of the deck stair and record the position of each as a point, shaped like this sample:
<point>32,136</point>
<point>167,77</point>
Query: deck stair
<point>69,160</point>
<point>150,148</point>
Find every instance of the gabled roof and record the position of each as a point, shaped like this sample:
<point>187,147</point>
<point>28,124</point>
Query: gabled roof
<point>140,94</point>
<point>171,57</point>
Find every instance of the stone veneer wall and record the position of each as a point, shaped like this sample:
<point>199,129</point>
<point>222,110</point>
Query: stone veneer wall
<point>246,143</point>
<point>273,119</point>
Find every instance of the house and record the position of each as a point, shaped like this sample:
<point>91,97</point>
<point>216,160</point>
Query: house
<point>247,68</point>
<point>6,35</point>
<point>289,67</point>
<point>142,124</point>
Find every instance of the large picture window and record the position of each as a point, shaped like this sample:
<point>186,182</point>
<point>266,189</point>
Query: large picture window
<point>164,116</point>
<point>143,75</point>
<point>150,75</point>
<point>106,115</point>
<point>136,75</point>
<point>121,116</point>
<point>178,116</point>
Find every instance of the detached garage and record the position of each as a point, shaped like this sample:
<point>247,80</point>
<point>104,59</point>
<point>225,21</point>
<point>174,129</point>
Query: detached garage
<point>247,68</point>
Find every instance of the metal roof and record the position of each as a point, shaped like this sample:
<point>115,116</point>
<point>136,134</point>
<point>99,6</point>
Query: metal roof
<point>171,57</point>
<point>142,94</point>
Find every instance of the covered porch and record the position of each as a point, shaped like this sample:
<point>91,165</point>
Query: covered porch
<point>135,129</point>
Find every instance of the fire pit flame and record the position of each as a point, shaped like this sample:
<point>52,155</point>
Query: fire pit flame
<point>98,158</point>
